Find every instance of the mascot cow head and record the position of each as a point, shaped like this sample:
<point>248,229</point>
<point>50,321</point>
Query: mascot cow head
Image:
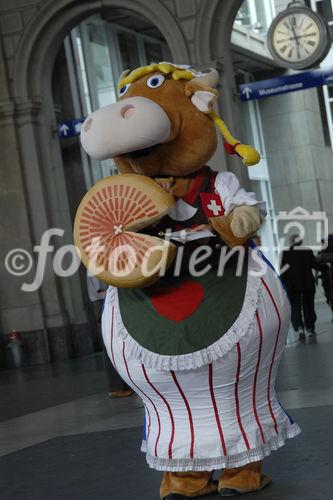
<point>162,124</point>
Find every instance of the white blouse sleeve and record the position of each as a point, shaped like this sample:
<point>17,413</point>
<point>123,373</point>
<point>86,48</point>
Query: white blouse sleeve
<point>233,195</point>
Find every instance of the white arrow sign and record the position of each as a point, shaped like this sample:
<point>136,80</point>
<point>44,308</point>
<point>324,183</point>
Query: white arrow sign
<point>64,129</point>
<point>328,78</point>
<point>247,92</point>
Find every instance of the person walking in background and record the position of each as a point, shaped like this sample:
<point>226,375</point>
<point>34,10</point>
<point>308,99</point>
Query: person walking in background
<point>117,388</point>
<point>300,284</point>
<point>325,263</point>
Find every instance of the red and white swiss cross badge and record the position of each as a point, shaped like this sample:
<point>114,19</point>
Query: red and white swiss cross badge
<point>211,205</point>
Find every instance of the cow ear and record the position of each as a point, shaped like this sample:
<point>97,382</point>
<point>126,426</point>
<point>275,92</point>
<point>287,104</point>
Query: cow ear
<point>203,100</point>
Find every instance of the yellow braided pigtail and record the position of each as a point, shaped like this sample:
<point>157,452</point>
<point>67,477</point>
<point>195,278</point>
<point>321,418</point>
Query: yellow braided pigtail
<point>249,155</point>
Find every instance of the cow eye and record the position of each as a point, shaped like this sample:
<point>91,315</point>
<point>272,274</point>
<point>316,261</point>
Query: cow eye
<point>155,81</point>
<point>124,89</point>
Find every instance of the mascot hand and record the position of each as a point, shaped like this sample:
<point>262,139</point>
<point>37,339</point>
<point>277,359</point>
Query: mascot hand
<point>246,221</point>
<point>221,225</point>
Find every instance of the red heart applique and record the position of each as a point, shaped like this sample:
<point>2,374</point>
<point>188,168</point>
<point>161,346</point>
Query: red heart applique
<point>177,303</point>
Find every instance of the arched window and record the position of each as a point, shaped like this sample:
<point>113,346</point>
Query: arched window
<point>97,51</point>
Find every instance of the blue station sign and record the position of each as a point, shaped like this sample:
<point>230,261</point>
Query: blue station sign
<point>285,84</point>
<point>70,128</point>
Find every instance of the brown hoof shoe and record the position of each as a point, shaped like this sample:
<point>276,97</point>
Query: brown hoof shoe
<point>174,496</point>
<point>228,492</point>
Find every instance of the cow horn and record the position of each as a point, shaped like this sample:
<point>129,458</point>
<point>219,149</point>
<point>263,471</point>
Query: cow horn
<point>125,73</point>
<point>210,79</point>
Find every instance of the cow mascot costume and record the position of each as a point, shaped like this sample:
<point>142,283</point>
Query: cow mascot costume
<point>195,319</point>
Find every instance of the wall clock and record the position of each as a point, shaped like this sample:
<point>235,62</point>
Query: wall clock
<point>298,38</point>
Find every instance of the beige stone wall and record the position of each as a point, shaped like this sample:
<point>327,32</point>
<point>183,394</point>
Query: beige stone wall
<point>18,310</point>
<point>300,165</point>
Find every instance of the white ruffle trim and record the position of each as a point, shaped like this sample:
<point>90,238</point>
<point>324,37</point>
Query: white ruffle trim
<point>143,446</point>
<point>209,464</point>
<point>205,356</point>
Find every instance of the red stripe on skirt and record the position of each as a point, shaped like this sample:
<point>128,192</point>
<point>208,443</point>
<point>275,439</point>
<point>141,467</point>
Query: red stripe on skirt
<point>168,407</point>
<point>246,441</point>
<point>217,418</point>
<point>149,423</point>
<point>188,412</point>
<point>112,330</point>
<point>273,357</point>
<point>256,378</point>
<point>145,395</point>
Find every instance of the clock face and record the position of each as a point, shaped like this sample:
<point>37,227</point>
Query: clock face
<point>298,38</point>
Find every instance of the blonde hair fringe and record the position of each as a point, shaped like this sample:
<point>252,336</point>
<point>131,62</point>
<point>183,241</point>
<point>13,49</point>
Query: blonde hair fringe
<point>165,68</point>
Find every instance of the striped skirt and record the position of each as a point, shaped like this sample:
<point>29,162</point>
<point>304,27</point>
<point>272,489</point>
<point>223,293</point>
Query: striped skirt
<point>224,412</point>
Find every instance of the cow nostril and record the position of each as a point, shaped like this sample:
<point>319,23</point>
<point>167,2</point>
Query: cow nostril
<point>88,124</point>
<point>127,111</point>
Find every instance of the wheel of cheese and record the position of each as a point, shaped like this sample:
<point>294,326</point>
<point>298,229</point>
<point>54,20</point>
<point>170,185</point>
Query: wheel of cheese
<point>107,225</point>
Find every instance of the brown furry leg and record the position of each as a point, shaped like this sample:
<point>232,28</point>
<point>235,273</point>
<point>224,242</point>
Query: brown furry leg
<point>243,479</point>
<point>188,484</point>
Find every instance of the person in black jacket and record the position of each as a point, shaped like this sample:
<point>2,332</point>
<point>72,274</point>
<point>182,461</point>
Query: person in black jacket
<point>325,263</point>
<point>300,284</point>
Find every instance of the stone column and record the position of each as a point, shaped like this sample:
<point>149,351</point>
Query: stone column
<point>213,48</point>
<point>230,112</point>
<point>300,164</point>
<point>35,199</point>
<point>19,310</point>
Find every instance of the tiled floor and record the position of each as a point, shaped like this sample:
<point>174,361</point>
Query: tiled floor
<point>61,437</point>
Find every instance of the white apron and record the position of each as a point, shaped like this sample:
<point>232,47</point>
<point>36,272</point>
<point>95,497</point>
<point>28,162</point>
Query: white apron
<point>217,407</point>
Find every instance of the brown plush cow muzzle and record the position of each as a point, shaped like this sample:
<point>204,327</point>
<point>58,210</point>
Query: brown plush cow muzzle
<point>131,126</point>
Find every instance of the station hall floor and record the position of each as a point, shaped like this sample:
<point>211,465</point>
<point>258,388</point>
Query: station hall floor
<point>62,438</point>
